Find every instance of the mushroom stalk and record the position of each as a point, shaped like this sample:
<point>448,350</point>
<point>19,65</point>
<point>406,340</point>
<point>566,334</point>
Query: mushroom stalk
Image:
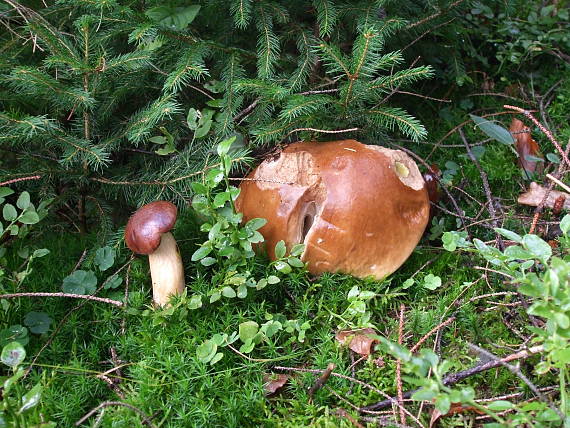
<point>166,270</point>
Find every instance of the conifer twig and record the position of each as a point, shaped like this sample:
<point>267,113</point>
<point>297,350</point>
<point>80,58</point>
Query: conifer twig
<point>69,295</point>
<point>16,180</point>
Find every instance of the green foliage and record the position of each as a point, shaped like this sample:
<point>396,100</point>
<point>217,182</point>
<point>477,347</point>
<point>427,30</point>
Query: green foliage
<point>18,406</point>
<point>544,278</point>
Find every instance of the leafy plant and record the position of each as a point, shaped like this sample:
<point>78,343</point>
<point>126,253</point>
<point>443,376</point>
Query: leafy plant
<point>17,406</point>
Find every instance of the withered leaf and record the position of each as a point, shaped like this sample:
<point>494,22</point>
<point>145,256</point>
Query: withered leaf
<point>453,410</point>
<point>272,382</point>
<point>360,341</point>
<point>527,148</point>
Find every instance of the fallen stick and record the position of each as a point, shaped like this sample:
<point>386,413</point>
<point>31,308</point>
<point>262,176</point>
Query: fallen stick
<point>70,295</point>
<point>453,378</point>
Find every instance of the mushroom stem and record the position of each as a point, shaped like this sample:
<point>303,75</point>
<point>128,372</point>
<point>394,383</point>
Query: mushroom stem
<point>166,270</point>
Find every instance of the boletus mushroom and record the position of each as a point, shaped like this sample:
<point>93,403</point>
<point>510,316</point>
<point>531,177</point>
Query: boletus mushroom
<point>148,232</point>
<point>359,209</point>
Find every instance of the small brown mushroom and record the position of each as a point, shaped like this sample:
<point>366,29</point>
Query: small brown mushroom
<point>358,209</point>
<point>148,232</point>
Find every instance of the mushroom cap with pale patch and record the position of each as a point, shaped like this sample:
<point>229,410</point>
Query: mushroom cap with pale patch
<point>146,226</point>
<point>358,209</point>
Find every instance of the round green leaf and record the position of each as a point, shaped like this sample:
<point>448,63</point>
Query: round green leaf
<point>80,282</point>
<point>29,217</point>
<point>13,354</point>
<point>9,212</point>
<point>37,322</point>
<point>23,201</point>
<point>228,292</point>
<point>248,330</point>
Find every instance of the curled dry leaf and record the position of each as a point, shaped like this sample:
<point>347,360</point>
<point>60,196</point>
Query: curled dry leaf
<point>527,148</point>
<point>273,382</point>
<point>360,341</point>
<point>453,410</point>
<point>536,193</point>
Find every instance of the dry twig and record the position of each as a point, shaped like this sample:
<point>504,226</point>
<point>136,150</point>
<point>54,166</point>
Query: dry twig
<point>146,419</point>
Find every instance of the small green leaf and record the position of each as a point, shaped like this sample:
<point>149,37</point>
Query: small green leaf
<point>272,279</point>
<point>37,322</point>
<point>280,250</point>
<point>201,252</point>
<point>105,258</point>
<point>177,18</point>
<point>424,394</point>
<point>199,188</point>
<point>29,217</point>
<point>206,351</point>
<point>295,262</point>
<point>257,223</point>
<point>443,403</point>
<point>193,118</point>
<point>166,150</point>
<point>493,130</point>
<point>158,140</point>
<point>31,398</point>
<point>248,330</point>
<point>224,146</point>
<point>538,247</point>
<point>41,252</point>
<point>228,292</point>
<point>242,291</point>
<point>408,283</point>
<point>432,282</point>
<point>500,405</point>
<point>247,347</point>
<point>13,354</point>
<point>23,201</point>
<point>297,250</point>
<point>208,261</point>
<point>509,235</point>
<point>565,224</point>
<point>80,282</point>
<point>195,302</point>
<point>5,191</point>
<point>113,282</point>
<point>216,358</point>
<point>283,267</point>
<point>9,212</point>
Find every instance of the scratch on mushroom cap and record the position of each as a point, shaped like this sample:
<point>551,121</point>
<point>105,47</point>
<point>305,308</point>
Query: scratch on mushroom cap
<point>146,226</point>
<point>358,209</point>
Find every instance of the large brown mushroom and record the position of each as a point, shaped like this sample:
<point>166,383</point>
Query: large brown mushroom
<point>148,232</point>
<point>358,209</point>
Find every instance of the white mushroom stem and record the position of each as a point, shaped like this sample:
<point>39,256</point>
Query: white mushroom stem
<point>166,270</point>
<point>536,193</point>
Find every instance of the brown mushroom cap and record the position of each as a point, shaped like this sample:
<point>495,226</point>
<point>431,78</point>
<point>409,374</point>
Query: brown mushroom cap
<point>146,226</point>
<point>358,209</point>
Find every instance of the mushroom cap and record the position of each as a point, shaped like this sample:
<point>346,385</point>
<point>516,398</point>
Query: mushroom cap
<point>358,209</point>
<point>146,226</point>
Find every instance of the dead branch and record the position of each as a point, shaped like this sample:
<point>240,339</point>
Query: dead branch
<point>146,419</point>
<point>70,295</point>
<point>453,378</point>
